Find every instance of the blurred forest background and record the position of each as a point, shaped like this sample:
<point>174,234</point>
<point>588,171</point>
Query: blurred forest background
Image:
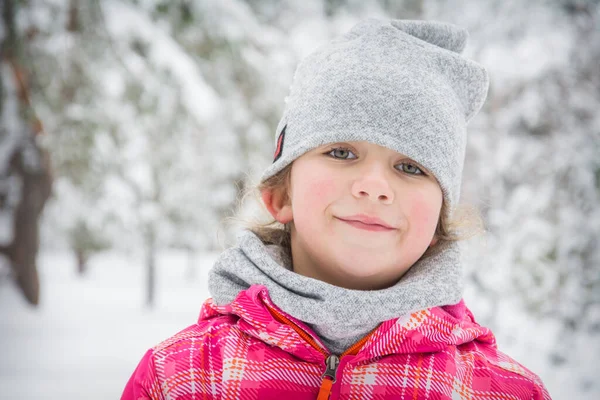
<point>131,127</point>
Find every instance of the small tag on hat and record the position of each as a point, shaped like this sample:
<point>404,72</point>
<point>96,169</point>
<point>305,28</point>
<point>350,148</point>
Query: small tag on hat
<point>279,148</point>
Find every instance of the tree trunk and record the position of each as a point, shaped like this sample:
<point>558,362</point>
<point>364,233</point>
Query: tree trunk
<point>192,272</point>
<point>151,268</point>
<point>81,262</point>
<point>35,191</point>
<point>30,163</point>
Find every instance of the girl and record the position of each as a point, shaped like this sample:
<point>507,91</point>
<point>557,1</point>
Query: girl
<point>358,294</point>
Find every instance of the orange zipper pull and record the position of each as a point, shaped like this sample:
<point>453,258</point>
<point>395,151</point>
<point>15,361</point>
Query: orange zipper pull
<point>331,364</point>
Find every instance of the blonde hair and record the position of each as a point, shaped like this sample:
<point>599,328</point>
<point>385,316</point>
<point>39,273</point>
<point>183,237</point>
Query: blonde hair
<point>466,220</point>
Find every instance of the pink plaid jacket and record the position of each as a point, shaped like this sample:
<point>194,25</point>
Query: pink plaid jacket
<point>250,349</point>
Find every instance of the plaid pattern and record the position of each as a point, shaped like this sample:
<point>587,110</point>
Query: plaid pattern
<point>239,351</point>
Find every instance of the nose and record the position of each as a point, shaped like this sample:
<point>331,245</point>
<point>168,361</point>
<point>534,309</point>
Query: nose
<point>373,184</point>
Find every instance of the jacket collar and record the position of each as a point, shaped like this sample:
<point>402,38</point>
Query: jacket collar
<point>428,330</point>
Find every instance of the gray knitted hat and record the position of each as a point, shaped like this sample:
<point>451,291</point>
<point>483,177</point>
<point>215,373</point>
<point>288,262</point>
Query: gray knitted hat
<point>400,84</point>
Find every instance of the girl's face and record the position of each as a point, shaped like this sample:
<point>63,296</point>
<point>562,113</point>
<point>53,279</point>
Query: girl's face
<point>360,214</point>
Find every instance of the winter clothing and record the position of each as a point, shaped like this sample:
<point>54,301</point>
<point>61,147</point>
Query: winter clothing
<point>339,316</point>
<point>399,84</point>
<point>251,349</point>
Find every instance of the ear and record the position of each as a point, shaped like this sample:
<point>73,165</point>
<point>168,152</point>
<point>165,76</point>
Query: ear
<point>278,206</point>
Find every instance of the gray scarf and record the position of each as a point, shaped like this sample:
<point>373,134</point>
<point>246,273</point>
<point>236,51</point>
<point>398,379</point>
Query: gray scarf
<point>339,316</point>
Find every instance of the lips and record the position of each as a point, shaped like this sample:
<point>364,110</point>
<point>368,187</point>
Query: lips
<point>366,222</point>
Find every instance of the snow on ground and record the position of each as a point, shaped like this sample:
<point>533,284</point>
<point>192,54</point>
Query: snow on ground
<point>89,333</point>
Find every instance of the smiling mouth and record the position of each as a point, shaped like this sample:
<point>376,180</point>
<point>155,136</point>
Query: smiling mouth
<point>367,227</point>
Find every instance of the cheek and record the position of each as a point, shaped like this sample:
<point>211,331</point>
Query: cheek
<point>424,213</point>
<point>313,193</point>
<point>322,188</point>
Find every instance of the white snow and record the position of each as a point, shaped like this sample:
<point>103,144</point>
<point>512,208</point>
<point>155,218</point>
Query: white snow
<point>90,332</point>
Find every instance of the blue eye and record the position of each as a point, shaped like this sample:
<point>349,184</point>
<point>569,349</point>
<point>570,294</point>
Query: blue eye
<point>341,153</point>
<point>411,169</point>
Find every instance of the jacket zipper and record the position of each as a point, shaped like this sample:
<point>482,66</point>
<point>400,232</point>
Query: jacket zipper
<point>332,361</point>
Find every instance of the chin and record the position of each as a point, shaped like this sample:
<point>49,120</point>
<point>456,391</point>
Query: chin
<point>366,271</point>
<point>361,264</point>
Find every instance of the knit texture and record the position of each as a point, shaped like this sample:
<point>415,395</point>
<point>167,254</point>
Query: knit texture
<point>339,316</point>
<point>399,84</point>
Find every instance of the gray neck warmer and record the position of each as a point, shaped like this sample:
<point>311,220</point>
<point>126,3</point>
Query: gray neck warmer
<point>339,316</point>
